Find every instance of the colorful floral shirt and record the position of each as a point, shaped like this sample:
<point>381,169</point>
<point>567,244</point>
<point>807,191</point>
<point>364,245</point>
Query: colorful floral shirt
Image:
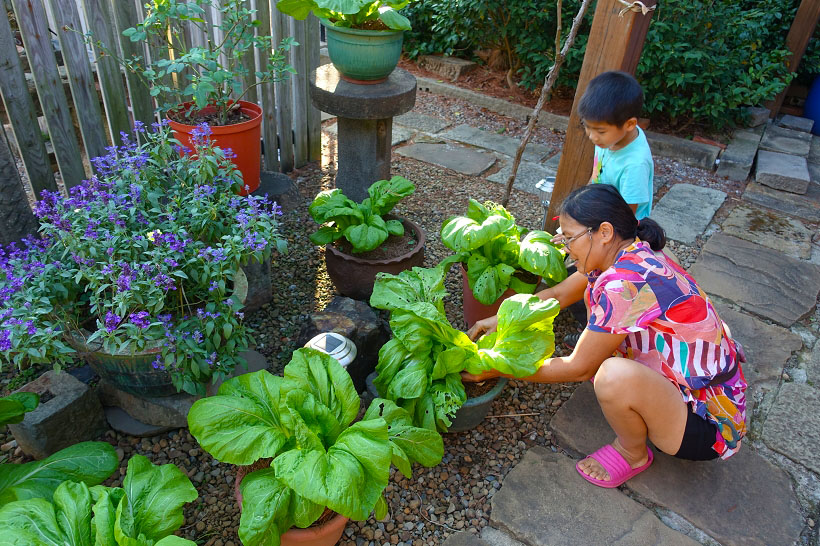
<point>673,328</point>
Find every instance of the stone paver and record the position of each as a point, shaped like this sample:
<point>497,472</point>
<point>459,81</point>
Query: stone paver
<point>446,67</point>
<point>792,427</point>
<point>526,177</point>
<point>813,366</point>
<point>457,158</point>
<point>563,509</point>
<point>494,537</point>
<point>814,172</point>
<point>553,161</point>
<point>775,231</point>
<point>758,115</point>
<point>464,539</point>
<point>421,122</point>
<point>692,153</point>
<point>738,157</point>
<point>787,141</point>
<point>782,171</point>
<point>678,216</point>
<point>767,347</point>
<point>805,206</point>
<point>399,134</point>
<point>760,506</point>
<point>492,141</point>
<point>796,123</point>
<point>764,282</point>
<point>814,150</point>
<point>120,421</point>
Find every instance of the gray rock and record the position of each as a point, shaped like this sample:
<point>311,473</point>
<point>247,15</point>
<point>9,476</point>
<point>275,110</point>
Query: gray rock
<point>495,537</point>
<point>761,501</point>
<point>658,182</point>
<point>560,509</point>
<point>686,210</point>
<point>692,153</point>
<point>120,421</point>
<point>553,161</point>
<point>782,171</point>
<point>498,143</point>
<point>772,230</point>
<point>805,206</point>
<point>399,134</point>
<point>458,158</point>
<point>814,172</point>
<point>259,285</point>
<point>72,414</point>
<point>813,367</point>
<point>757,115</point>
<point>792,427</point>
<point>464,539</point>
<point>526,177</point>
<point>786,141</point>
<point>762,281</point>
<point>450,68</point>
<point>421,122</point>
<point>796,123</point>
<point>814,150</point>
<point>737,159</point>
<point>753,135</point>
<point>767,347</point>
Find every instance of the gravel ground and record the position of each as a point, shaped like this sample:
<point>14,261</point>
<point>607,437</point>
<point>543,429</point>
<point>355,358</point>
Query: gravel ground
<point>456,494</point>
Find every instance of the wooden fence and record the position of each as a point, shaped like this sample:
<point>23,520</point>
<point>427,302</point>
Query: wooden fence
<point>78,125</point>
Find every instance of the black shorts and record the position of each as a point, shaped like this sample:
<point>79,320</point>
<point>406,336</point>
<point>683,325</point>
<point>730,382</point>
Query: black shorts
<point>698,438</point>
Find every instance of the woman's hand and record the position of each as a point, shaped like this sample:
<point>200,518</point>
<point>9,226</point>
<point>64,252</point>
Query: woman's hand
<point>483,376</point>
<point>483,327</point>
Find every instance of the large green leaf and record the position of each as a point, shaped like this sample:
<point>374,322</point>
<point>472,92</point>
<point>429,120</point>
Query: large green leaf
<point>463,234</point>
<point>448,396</point>
<point>393,19</point>
<point>492,282</point>
<point>14,406</point>
<point>314,426</point>
<point>243,423</point>
<point>450,360</point>
<point>88,462</point>
<point>31,522</point>
<point>418,284</point>
<point>332,205</point>
<point>367,236</point>
<point>384,194</point>
<point>350,477</point>
<point>392,357</point>
<point>539,256</point>
<point>409,443</point>
<point>321,375</point>
<point>412,380</point>
<point>152,506</point>
<point>106,500</point>
<point>343,6</point>
<point>73,510</point>
<point>419,325</point>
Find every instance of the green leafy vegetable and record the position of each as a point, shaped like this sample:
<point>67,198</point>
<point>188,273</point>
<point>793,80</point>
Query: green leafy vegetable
<point>349,13</point>
<point>14,407</point>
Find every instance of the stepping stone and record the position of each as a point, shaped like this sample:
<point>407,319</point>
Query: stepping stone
<point>814,150</point>
<point>786,141</point>
<point>552,162</point>
<point>498,143</point>
<point>526,177</point>
<point>421,122</point>
<point>399,134</point>
<point>757,115</point>
<point>767,347</point>
<point>686,210</point>
<point>772,230</point>
<point>792,427</point>
<point>692,153</point>
<point>458,158</point>
<point>464,539</point>
<point>450,68</point>
<point>494,537</point>
<point>813,367</point>
<point>759,508</point>
<point>658,182</point>
<point>806,207</point>
<point>543,501</point>
<point>120,421</point>
<point>782,171</point>
<point>814,172</point>
<point>762,281</point>
<point>737,159</point>
<point>796,123</point>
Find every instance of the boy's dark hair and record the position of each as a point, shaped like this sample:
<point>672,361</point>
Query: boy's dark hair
<point>596,203</point>
<point>612,97</point>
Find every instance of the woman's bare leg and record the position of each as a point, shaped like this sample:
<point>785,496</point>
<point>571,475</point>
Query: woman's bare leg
<point>638,402</point>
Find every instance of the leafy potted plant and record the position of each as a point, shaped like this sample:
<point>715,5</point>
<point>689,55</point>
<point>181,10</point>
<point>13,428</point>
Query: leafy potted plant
<point>364,37</point>
<point>309,454</point>
<point>420,367</point>
<point>362,239</point>
<point>207,84</point>
<point>147,509</point>
<point>501,258</point>
<point>138,271</point>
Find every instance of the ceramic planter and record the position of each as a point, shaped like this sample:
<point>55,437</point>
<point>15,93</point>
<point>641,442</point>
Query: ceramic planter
<point>354,277</point>
<point>474,310</point>
<point>244,139</point>
<point>363,56</point>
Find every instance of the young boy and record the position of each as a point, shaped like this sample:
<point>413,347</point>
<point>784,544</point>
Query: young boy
<point>609,110</point>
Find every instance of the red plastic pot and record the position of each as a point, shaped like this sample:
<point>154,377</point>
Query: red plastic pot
<point>244,139</point>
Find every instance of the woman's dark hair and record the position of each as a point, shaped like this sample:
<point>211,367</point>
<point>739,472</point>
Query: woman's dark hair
<point>596,203</point>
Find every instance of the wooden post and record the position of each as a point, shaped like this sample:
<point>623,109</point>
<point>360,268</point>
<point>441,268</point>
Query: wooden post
<point>615,43</point>
<point>801,31</point>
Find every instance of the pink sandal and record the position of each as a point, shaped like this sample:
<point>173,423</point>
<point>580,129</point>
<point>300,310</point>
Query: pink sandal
<point>614,463</point>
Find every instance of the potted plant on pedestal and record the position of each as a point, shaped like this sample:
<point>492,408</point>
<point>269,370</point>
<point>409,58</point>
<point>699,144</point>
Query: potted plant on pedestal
<point>207,84</point>
<point>501,258</point>
<point>309,455</point>
<point>362,239</point>
<point>364,37</point>
<point>138,271</point>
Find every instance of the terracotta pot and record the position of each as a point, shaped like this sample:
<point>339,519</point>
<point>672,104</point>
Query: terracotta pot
<point>244,139</point>
<point>474,310</point>
<point>354,277</point>
<point>326,534</point>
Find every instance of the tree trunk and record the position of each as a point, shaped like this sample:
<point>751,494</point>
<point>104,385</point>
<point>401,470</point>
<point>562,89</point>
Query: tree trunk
<point>16,218</point>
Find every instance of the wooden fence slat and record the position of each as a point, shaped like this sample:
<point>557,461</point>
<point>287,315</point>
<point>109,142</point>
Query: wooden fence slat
<point>249,63</point>
<point>155,54</point>
<point>80,78</point>
<point>314,116</point>
<point>299,88</point>
<point>284,102</point>
<point>31,19</point>
<point>125,16</point>
<point>99,20</point>
<point>269,137</point>
<point>20,111</point>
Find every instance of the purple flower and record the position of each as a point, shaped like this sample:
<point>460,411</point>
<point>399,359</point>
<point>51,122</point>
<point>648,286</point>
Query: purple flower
<point>111,321</point>
<point>30,328</point>
<point>157,363</point>
<point>140,319</point>
<point>5,341</point>
<point>197,336</point>
<point>213,286</point>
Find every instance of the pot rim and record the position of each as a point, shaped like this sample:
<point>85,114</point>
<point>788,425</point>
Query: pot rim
<point>362,32</point>
<point>487,396</point>
<point>250,108</point>
<point>421,237</point>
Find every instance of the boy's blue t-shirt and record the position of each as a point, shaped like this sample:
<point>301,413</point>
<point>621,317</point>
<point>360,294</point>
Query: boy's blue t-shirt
<point>630,170</point>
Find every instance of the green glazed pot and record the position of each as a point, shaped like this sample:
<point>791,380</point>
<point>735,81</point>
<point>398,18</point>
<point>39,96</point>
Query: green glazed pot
<point>363,56</point>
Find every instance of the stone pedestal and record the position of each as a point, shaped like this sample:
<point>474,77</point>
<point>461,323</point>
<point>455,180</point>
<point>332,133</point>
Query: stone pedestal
<point>365,123</point>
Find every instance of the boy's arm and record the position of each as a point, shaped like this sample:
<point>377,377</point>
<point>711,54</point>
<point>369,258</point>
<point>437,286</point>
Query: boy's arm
<point>633,185</point>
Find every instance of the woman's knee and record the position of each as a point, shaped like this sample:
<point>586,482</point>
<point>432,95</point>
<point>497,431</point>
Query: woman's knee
<point>613,377</point>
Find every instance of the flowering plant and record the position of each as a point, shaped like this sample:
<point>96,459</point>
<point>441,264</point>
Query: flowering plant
<point>141,255</point>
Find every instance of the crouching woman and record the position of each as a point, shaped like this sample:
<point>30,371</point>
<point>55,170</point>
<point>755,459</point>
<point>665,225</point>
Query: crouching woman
<point>664,365</point>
